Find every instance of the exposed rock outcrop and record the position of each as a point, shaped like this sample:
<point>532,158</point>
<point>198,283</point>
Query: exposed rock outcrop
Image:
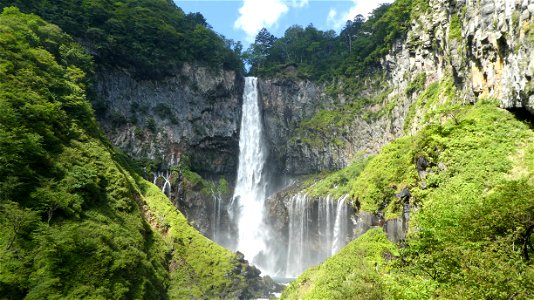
<point>196,112</point>
<point>483,47</point>
<point>194,115</point>
<point>486,46</point>
<point>288,102</point>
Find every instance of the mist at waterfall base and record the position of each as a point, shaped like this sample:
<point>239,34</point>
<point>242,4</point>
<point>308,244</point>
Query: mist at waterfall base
<point>317,228</point>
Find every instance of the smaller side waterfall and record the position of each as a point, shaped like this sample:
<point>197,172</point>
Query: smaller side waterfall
<point>166,178</point>
<point>298,235</point>
<point>340,226</point>
<point>215,219</point>
<point>318,228</point>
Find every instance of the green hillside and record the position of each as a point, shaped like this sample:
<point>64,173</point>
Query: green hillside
<point>76,221</point>
<point>149,37</point>
<point>471,225</point>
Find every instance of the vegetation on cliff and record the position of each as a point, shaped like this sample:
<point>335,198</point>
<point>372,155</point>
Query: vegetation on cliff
<point>471,228</point>
<point>317,54</point>
<point>149,37</point>
<point>76,221</point>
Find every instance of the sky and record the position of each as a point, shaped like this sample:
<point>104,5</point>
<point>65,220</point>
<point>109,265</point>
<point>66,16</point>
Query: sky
<point>241,20</point>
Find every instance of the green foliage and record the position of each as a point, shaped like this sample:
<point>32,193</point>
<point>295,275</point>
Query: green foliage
<point>471,234</point>
<point>150,124</point>
<point>455,30</point>
<point>438,99</point>
<point>162,110</point>
<point>416,85</point>
<point>76,221</point>
<point>312,53</point>
<point>353,273</point>
<point>41,99</point>
<point>337,183</point>
<point>332,126</point>
<point>385,175</point>
<point>152,37</point>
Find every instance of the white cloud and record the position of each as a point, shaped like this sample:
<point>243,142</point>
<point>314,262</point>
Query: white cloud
<point>331,19</point>
<point>256,14</point>
<point>360,7</point>
<point>299,3</point>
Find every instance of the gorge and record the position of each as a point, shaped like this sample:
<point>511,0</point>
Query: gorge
<point>393,159</point>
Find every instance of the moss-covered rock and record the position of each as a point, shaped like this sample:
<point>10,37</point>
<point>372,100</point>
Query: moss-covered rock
<point>472,206</point>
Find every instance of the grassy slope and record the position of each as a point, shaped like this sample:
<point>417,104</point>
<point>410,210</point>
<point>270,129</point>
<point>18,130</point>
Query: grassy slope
<point>350,274</point>
<point>73,215</point>
<point>466,238</point>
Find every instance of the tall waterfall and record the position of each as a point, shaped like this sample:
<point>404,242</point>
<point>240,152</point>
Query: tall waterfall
<point>318,228</point>
<point>249,193</point>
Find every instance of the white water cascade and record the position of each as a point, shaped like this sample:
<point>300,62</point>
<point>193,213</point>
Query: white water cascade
<point>216,217</point>
<point>318,228</point>
<point>249,194</point>
<point>166,177</point>
<point>340,226</point>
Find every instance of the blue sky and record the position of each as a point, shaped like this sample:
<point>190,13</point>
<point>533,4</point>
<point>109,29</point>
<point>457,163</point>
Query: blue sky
<point>240,20</point>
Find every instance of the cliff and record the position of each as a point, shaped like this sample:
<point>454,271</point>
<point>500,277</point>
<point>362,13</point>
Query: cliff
<point>482,49</point>
<point>459,157</point>
<point>77,220</point>
<point>195,113</point>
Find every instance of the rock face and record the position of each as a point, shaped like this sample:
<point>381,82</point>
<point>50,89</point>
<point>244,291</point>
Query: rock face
<point>193,116</point>
<point>196,113</point>
<point>288,102</point>
<point>484,48</point>
<point>285,103</point>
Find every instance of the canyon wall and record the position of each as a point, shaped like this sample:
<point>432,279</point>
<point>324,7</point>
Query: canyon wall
<point>196,112</point>
<point>463,51</point>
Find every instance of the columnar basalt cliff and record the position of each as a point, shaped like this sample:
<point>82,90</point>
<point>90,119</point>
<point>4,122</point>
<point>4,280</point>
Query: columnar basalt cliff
<point>485,46</point>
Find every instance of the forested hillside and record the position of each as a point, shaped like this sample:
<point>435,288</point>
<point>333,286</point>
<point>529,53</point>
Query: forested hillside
<point>315,54</point>
<point>76,219</point>
<point>150,37</point>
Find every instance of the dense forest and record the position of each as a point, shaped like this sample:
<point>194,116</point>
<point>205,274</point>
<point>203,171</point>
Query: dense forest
<point>317,54</point>
<point>150,37</point>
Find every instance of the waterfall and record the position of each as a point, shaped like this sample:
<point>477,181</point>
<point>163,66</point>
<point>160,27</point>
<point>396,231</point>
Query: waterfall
<point>215,223</point>
<point>298,235</point>
<point>249,194</point>
<point>318,228</point>
<point>166,188</point>
<point>340,226</point>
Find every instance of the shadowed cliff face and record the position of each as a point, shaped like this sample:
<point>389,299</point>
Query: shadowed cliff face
<point>189,119</point>
<point>195,113</point>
